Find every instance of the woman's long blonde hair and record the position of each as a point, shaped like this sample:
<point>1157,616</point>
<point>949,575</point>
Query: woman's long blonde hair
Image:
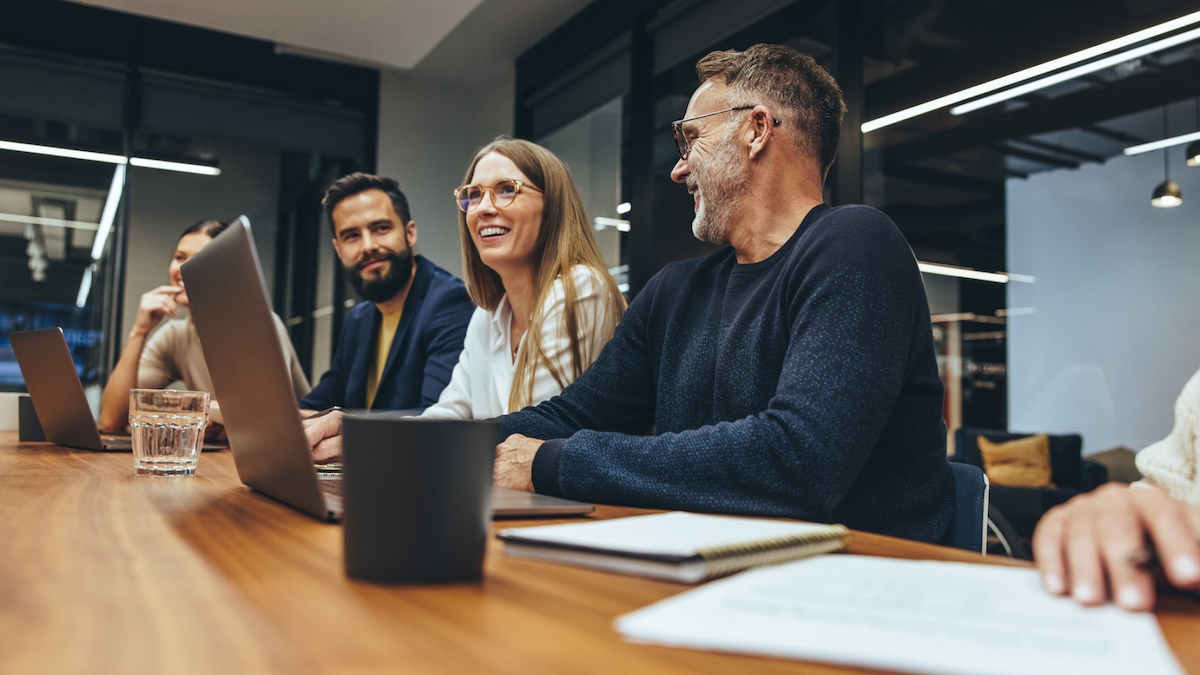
<point>564,241</point>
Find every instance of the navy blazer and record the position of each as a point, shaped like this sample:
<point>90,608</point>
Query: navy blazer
<point>424,351</point>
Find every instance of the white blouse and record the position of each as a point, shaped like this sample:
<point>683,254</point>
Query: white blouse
<point>479,387</point>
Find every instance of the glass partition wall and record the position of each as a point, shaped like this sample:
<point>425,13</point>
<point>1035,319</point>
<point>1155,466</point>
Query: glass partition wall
<point>591,148</point>
<point>1062,300</point>
<point>103,165</point>
<point>62,182</point>
<point>48,230</point>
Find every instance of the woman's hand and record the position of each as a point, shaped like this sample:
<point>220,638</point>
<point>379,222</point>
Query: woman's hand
<point>215,431</point>
<point>154,307</point>
<point>114,403</point>
<point>1102,544</point>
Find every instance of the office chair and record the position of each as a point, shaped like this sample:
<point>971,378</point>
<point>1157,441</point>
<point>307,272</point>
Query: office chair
<point>1001,534</point>
<point>970,508</point>
<point>1023,507</point>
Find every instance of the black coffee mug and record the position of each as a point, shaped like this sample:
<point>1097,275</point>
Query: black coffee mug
<point>416,500</point>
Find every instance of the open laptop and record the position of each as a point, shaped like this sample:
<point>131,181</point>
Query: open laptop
<point>57,393</point>
<point>229,306</point>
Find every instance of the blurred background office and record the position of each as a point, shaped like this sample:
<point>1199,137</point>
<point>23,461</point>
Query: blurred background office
<point>1063,300</point>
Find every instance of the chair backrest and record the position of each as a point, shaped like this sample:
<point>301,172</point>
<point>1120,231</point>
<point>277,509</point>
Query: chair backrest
<point>1066,461</point>
<point>970,507</point>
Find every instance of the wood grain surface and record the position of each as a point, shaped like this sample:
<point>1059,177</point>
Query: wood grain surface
<point>102,571</point>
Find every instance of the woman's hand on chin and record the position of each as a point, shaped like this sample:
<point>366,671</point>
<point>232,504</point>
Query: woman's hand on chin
<point>154,307</point>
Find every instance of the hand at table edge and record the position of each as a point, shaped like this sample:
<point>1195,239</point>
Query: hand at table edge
<point>324,436</point>
<point>1101,544</point>
<point>514,462</point>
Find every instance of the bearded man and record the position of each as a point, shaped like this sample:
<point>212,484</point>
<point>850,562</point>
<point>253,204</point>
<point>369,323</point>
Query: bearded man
<point>791,373</point>
<point>398,347</point>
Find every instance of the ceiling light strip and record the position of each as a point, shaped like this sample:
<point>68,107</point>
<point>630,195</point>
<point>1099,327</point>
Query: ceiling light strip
<point>201,169</point>
<point>85,287</point>
<point>47,222</point>
<point>1073,73</point>
<point>107,158</point>
<point>62,152</point>
<point>962,272</point>
<point>601,223</point>
<point>110,211</point>
<point>1031,72</point>
<point>1164,143</point>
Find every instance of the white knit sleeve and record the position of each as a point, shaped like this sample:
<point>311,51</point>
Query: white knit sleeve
<point>1171,463</point>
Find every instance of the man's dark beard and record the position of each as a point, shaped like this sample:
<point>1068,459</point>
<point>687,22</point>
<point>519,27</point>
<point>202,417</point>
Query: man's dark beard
<point>387,286</point>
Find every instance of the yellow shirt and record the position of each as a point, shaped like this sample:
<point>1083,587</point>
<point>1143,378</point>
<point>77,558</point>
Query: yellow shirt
<point>383,345</point>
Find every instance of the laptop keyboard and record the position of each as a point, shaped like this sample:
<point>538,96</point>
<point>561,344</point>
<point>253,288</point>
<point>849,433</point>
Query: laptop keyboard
<point>331,485</point>
<point>505,503</point>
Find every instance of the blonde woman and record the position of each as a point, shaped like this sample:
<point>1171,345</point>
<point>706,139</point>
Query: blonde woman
<point>546,303</point>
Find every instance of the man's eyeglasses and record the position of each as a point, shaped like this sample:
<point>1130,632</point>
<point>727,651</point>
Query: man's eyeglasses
<point>677,127</point>
<point>503,194</point>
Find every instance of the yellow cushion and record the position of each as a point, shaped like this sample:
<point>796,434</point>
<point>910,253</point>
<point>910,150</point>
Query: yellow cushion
<point>1024,462</point>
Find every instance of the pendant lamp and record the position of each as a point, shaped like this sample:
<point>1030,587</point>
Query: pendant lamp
<point>1192,154</point>
<point>1167,194</point>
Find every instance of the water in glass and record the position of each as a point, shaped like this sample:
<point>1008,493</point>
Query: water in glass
<point>168,431</point>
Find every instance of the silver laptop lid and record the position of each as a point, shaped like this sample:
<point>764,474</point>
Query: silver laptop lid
<point>232,314</point>
<point>54,387</point>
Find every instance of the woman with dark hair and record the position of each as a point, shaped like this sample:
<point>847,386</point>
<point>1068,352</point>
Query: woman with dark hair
<point>173,352</point>
<point>546,302</point>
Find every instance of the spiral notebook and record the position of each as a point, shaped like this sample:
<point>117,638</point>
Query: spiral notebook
<point>682,547</point>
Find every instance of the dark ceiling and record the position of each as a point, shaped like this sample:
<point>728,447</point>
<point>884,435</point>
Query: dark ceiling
<point>943,175</point>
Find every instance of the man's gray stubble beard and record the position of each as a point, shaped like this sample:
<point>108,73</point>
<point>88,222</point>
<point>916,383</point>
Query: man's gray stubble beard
<point>722,181</point>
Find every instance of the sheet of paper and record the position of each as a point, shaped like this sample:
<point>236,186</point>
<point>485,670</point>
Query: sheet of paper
<point>911,616</point>
<point>665,534</point>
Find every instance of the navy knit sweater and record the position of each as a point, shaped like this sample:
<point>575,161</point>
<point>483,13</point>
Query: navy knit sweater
<point>802,386</point>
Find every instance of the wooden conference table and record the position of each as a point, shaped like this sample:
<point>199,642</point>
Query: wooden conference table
<point>104,571</point>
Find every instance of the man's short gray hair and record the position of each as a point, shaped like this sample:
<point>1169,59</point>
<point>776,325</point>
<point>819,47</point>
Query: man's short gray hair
<point>809,98</point>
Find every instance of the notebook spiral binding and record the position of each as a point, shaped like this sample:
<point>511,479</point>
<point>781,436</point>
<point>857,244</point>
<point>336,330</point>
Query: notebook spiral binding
<point>721,561</point>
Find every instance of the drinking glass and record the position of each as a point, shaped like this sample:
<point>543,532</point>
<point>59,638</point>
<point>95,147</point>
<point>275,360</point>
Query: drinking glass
<point>168,430</point>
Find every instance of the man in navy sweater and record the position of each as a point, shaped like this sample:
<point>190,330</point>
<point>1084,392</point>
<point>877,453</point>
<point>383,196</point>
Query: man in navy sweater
<point>791,373</point>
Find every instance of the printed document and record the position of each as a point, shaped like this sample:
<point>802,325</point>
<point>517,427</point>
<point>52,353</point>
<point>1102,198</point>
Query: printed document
<point>904,615</point>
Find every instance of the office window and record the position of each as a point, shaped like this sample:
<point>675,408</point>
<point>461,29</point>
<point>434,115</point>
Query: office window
<point>82,237</point>
<point>52,207</point>
<point>591,148</point>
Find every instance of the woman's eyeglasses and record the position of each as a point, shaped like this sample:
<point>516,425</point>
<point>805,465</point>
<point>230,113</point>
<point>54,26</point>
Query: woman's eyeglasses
<point>503,194</point>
